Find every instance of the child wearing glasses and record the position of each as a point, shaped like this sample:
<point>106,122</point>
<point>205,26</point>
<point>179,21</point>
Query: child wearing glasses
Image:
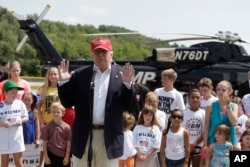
<point>219,150</point>
<point>174,150</point>
<point>147,138</point>
<point>194,121</point>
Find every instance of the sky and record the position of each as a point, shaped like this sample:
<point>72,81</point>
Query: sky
<point>154,16</point>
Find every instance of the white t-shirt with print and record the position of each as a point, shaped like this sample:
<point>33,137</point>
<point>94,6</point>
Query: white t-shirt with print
<point>194,122</point>
<point>169,100</point>
<point>145,138</point>
<point>11,138</point>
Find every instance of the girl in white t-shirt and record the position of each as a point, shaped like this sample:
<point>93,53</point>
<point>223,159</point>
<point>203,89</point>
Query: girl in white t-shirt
<point>174,150</point>
<point>147,137</point>
<point>194,121</point>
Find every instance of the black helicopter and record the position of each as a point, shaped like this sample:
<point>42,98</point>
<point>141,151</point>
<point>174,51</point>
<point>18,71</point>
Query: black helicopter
<point>218,60</point>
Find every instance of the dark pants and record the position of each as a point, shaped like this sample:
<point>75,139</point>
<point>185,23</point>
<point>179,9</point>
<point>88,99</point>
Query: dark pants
<point>174,163</point>
<point>55,161</point>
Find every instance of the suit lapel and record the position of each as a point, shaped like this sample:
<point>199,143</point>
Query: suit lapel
<point>113,83</point>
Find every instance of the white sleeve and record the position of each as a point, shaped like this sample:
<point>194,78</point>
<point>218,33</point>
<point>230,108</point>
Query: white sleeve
<point>157,141</point>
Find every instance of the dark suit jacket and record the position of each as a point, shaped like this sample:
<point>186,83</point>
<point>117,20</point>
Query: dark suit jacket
<point>76,93</point>
<point>243,89</point>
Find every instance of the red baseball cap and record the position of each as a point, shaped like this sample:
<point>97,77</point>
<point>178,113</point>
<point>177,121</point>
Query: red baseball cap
<point>101,43</point>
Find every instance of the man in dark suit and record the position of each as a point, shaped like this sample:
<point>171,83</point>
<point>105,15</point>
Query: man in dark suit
<point>244,87</point>
<point>113,93</point>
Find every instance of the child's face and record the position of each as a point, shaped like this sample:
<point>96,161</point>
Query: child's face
<point>220,137</point>
<point>27,100</point>
<point>154,104</point>
<point>205,91</point>
<point>166,81</point>
<point>11,94</point>
<point>15,71</point>
<point>176,118</point>
<point>247,125</point>
<point>53,76</point>
<point>147,118</point>
<point>194,100</point>
<point>246,140</point>
<point>57,114</point>
<point>222,91</point>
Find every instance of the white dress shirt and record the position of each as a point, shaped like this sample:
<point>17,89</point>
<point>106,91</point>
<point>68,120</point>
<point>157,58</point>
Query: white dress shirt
<point>100,95</point>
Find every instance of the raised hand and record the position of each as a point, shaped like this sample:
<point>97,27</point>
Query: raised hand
<point>64,71</point>
<point>128,73</point>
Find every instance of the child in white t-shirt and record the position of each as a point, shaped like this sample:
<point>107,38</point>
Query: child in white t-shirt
<point>127,160</point>
<point>194,121</point>
<point>12,114</point>
<point>242,118</point>
<point>146,138</point>
<point>169,97</point>
<point>174,150</point>
<point>205,86</point>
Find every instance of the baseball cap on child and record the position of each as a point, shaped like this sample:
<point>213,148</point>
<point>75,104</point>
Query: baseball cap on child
<point>101,43</point>
<point>11,85</point>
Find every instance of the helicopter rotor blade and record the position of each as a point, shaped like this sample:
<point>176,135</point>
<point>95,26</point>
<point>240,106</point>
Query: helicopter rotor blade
<point>244,41</point>
<point>115,33</point>
<point>180,39</point>
<point>142,33</point>
<point>39,19</point>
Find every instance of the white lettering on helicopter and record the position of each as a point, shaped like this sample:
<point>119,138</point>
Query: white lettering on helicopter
<point>191,55</point>
<point>142,77</point>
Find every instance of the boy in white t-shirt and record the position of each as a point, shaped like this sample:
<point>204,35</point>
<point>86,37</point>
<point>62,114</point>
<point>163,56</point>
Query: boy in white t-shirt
<point>169,97</point>
<point>205,86</point>
<point>13,113</point>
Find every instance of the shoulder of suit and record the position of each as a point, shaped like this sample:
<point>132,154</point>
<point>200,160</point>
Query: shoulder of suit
<point>85,68</point>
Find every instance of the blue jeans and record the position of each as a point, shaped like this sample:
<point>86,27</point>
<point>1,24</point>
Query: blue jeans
<point>174,163</point>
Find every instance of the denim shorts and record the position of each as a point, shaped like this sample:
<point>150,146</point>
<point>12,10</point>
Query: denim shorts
<point>174,163</point>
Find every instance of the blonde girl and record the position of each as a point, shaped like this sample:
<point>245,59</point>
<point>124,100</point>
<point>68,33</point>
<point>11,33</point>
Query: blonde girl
<point>49,94</point>
<point>14,75</point>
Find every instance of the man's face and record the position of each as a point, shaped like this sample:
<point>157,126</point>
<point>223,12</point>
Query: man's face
<point>102,58</point>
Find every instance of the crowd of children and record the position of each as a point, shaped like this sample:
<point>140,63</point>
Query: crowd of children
<point>167,132</point>
<point>33,123</point>
<point>202,134</point>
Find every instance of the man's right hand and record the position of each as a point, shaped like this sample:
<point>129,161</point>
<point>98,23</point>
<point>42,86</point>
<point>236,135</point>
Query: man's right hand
<point>64,74</point>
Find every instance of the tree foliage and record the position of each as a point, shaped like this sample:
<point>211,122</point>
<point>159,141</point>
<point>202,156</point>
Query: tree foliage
<point>68,40</point>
